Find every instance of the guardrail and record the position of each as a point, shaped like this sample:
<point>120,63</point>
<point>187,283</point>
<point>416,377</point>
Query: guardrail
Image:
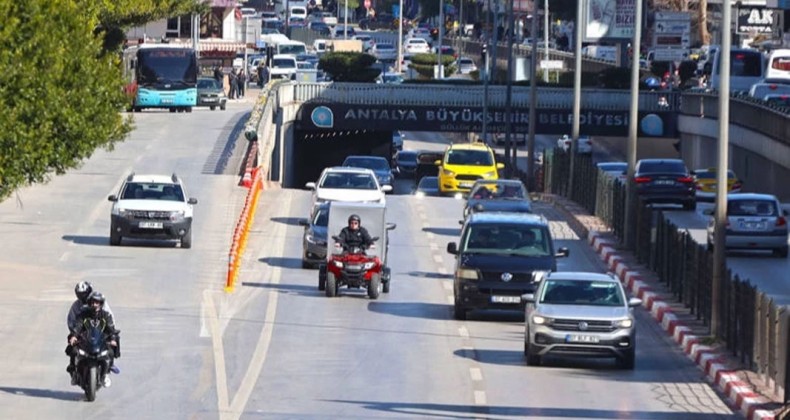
<point>751,326</point>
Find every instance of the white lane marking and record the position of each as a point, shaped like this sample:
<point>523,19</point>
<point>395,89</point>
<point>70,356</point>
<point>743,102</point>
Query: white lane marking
<point>430,235</point>
<point>442,270</point>
<point>424,225</point>
<point>480,398</point>
<point>422,215</point>
<point>451,300</point>
<point>64,257</point>
<point>476,374</point>
<point>433,246</point>
<point>437,258</point>
<point>220,372</point>
<point>447,285</point>
<point>463,332</point>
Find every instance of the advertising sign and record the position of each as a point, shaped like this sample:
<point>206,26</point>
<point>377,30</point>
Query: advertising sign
<point>754,19</point>
<point>608,19</point>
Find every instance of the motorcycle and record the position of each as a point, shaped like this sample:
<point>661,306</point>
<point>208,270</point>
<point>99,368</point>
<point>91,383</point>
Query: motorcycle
<point>353,268</point>
<point>92,359</point>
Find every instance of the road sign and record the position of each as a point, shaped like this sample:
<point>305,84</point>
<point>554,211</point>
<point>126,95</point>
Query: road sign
<point>673,16</point>
<point>670,54</point>
<point>672,30</point>
<point>673,26</point>
<point>552,64</point>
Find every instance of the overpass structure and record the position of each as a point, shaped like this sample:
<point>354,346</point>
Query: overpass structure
<point>308,126</point>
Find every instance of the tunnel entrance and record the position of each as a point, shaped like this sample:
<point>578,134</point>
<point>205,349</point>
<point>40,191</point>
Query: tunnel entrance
<point>314,150</point>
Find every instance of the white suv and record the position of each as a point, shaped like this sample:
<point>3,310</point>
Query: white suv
<point>151,206</point>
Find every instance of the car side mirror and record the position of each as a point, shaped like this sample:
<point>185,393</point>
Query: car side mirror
<point>386,188</point>
<point>633,302</point>
<point>500,166</point>
<point>528,298</point>
<point>192,201</point>
<point>707,212</point>
<point>452,248</point>
<point>303,222</point>
<point>112,198</point>
<point>563,252</point>
<point>391,226</point>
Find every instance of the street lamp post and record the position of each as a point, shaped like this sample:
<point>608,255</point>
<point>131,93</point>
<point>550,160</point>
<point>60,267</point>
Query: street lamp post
<point>545,37</point>
<point>400,37</point>
<point>577,89</point>
<point>345,20</point>
<point>441,38</point>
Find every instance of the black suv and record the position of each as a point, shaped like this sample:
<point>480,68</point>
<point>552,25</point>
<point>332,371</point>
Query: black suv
<point>665,181</point>
<point>499,258</point>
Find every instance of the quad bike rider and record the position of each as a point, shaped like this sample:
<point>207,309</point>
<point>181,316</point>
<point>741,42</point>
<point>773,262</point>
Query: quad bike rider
<point>354,268</point>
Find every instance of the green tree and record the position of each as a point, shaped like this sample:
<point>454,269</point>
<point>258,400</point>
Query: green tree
<point>423,64</point>
<point>348,66</point>
<point>60,96</point>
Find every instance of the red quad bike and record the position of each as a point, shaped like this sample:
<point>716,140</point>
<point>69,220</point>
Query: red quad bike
<point>355,269</point>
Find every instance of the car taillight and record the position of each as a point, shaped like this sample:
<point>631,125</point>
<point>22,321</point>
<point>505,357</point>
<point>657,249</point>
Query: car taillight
<point>736,186</point>
<point>642,179</point>
<point>781,221</point>
<point>686,179</point>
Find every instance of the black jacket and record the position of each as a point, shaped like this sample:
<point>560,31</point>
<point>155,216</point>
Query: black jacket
<point>106,318</point>
<point>355,238</point>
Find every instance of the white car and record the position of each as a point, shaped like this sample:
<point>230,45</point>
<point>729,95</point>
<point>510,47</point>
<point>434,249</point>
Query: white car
<point>340,183</point>
<point>466,65</point>
<point>423,33</point>
<point>416,46</point>
<point>151,207</point>
<point>583,146</point>
<point>384,52</point>
<point>283,67</point>
<point>367,42</point>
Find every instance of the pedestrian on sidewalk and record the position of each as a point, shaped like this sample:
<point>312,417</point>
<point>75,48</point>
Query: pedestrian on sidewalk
<point>234,88</point>
<point>241,80</point>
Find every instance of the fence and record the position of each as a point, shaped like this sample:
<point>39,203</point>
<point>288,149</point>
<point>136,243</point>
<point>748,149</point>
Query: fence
<point>751,326</point>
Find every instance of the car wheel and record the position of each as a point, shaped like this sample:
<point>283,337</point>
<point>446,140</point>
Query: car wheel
<point>690,205</point>
<point>321,277</point>
<point>222,107</point>
<point>628,361</point>
<point>710,245</point>
<point>172,110</point>
<point>189,109</point>
<point>374,286</point>
<point>115,237</point>
<point>331,284</point>
<point>781,252</point>
<point>532,358</point>
<point>459,312</point>
<point>212,107</point>
<point>186,240</point>
<point>306,265</point>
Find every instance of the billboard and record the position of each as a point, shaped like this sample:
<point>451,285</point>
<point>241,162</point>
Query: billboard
<point>608,20</point>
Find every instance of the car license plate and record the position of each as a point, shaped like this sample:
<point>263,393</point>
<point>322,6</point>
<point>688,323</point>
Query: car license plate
<point>167,101</point>
<point>664,182</point>
<point>150,225</point>
<point>465,185</point>
<point>210,99</point>
<point>574,338</point>
<point>506,299</point>
<point>753,226</point>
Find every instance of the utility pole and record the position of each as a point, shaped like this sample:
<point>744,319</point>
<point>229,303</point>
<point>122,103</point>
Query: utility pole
<point>545,37</point>
<point>486,76</point>
<point>509,32</point>
<point>400,37</point>
<point>633,130</point>
<point>577,88</point>
<point>441,38</point>
<point>533,99</point>
<point>345,20</point>
<point>721,169</point>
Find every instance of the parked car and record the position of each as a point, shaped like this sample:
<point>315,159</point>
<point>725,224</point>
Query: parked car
<point>211,94</point>
<point>580,314</point>
<point>500,195</point>
<point>705,183</point>
<point>367,41</point>
<point>314,239</point>
<point>390,78</point>
<point>339,32</point>
<point>754,221</point>
<point>151,207</point>
<point>379,165</point>
<point>583,146</point>
<point>498,259</point>
<point>420,32</point>
<point>665,181</point>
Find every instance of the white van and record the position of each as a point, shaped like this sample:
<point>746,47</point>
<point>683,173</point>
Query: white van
<point>291,47</point>
<point>747,67</point>
<point>299,11</point>
<point>778,65</point>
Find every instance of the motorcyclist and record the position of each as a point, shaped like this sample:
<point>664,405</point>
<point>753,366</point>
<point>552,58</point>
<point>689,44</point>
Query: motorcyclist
<point>83,289</point>
<point>354,235</point>
<point>96,311</point>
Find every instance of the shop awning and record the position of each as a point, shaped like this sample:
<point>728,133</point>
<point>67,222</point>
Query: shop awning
<point>220,46</point>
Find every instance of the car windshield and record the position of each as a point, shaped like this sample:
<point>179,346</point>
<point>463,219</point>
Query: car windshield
<point>751,208</point>
<point>283,63</point>
<point>364,162</point>
<point>152,191</point>
<point>407,157</point>
<point>581,292</point>
<point>392,78</point>
<point>380,47</point>
<point>349,180</point>
<point>659,166</point>
<point>294,49</point>
<point>494,190</point>
<point>469,157</point>
<point>512,239</point>
<point>613,167</point>
<point>207,84</point>
<point>321,217</point>
<point>428,183</point>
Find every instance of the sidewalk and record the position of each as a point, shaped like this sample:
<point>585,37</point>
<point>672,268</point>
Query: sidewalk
<point>745,390</point>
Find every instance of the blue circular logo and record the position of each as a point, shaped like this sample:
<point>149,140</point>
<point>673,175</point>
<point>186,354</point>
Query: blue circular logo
<point>652,125</point>
<point>322,117</point>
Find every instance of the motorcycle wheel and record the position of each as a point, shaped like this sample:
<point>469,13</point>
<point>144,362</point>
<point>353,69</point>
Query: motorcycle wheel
<point>331,284</point>
<point>91,383</point>
<point>374,285</point>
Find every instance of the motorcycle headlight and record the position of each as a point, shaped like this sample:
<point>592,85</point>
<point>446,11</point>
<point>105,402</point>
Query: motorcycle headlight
<point>369,265</point>
<point>338,264</point>
<point>81,352</point>
<point>624,323</point>
<point>176,215</point>
<point>447,172</point>
<point>468,274</point>
<point>103,353</point>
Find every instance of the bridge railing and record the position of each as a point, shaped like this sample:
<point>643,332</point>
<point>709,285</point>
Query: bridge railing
<point>472,95</point>
<point>746,112</point>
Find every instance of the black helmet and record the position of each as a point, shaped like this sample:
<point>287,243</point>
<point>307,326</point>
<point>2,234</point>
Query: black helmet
<point>83,289</point>
<point>354,217</point>
<point>96,297</point>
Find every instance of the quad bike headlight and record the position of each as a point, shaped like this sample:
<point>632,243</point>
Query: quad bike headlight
<point>369,265</point>
<point>338,264</point>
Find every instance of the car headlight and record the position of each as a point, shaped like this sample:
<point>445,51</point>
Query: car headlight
<point>447,172</point>
<point>624,323</point>
<point>177,215</point>
<point>368,265</point>
<point>468,274</point>
<point>338,264</point>
<point>489,174</point>
<point>540,320</point>
<point>419,194</point>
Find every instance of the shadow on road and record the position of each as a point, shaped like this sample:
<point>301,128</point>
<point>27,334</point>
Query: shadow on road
<point>291,289</point>
<point>291,221</point>
<point>43,393</point>
<point>443,231</point>
<point>429,275</point>
<point>87,240</point>
<point>282,262</point>
<point>411,309</point>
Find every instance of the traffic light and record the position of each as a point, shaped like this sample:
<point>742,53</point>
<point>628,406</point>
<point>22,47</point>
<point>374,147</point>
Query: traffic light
<point>484,52</point>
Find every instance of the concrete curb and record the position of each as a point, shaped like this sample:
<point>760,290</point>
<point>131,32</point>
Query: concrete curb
<point>713,362</point>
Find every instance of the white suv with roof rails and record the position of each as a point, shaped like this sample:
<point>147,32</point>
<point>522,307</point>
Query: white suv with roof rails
<point>151,207</point>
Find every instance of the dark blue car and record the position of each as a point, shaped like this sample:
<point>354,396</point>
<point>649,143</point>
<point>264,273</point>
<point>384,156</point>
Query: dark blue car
<point>379,165</point>
<point>498,195</point>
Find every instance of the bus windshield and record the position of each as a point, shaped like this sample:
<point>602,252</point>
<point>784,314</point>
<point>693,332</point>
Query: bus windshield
<point>175,67</point>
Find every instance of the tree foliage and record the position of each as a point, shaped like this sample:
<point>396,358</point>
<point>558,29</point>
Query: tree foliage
<point>348,66</point>
<point>423,64</point>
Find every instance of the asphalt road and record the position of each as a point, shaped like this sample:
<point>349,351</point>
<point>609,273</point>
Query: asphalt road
<point>277,348</point>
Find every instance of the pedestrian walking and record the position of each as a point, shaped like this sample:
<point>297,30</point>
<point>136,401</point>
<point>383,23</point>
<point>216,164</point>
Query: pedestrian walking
<point>234,88</point>
<point>261,77</point>
<point>218,75</point>
<point>241,80</point>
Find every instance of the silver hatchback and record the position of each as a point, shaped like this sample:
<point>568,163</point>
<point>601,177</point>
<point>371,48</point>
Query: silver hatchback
<point>580,314</point>
<point>754,221</point>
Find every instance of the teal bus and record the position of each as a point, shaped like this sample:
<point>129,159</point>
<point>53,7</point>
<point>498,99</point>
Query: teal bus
<point>162,76</point>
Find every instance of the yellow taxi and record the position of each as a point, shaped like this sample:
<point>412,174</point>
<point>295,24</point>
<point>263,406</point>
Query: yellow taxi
<point>705,181</point>
<point>465,163</point>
